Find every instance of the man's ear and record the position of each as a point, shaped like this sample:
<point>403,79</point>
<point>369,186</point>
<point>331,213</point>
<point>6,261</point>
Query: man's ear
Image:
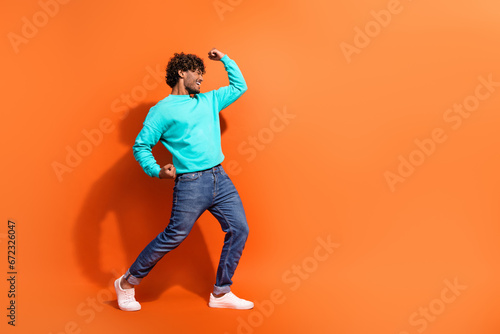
<point>180,73</point>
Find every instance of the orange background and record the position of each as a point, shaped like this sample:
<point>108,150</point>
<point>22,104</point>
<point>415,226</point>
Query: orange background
<point>320,174</point>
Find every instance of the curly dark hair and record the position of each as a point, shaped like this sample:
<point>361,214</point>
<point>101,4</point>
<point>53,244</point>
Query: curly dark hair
<point>183,62</point>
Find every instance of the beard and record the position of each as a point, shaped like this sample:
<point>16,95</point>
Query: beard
<point>192,90</point>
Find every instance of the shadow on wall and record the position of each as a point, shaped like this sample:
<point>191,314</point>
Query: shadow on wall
<point>141,205</point>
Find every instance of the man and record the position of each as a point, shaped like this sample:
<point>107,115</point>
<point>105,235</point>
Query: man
<point>188,126</point>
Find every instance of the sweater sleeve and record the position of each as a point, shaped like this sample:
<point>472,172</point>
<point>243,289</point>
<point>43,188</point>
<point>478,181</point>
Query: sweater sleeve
<point>146,139</point>
<point>237,85</point>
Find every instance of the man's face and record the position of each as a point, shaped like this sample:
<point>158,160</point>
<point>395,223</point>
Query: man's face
<point>192,81</point>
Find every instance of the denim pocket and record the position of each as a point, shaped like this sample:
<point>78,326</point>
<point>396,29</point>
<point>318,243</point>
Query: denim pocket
<point>189,176</point>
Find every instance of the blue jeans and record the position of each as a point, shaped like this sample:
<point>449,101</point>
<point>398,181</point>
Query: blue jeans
<point>194,193</point>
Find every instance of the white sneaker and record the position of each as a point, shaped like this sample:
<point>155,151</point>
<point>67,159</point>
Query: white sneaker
<point>126,298</point>
<point>229,300</point>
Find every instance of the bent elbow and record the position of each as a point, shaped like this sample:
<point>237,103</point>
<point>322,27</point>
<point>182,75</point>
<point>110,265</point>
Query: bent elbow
<point>243,88</point>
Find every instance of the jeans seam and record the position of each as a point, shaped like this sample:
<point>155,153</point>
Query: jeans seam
<point>215,187</point>
<point>175,195</point>
<point>232,235</point>
<point>174,207</point>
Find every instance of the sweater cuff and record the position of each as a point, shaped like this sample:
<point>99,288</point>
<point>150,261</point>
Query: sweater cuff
<point>155,172</point>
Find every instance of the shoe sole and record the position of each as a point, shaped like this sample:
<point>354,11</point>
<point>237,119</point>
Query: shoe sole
<point>229,307</point>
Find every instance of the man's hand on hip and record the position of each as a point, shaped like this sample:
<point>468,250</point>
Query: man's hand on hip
<point>215,54</point>
<point>167,172</point>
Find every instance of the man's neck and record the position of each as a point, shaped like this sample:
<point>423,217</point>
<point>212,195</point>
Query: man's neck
<point>179,90</point>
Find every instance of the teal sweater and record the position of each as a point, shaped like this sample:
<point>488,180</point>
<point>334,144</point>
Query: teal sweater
<point>188,126</point>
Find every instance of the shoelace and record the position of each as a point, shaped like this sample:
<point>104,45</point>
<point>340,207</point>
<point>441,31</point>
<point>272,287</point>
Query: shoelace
<point>128,296</point>
<point>232,298</point>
